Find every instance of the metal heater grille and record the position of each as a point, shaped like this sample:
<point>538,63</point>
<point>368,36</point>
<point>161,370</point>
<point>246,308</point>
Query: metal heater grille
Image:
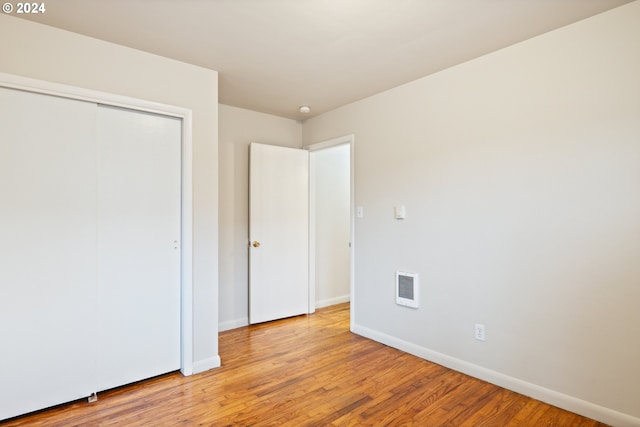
<point>407,289</point>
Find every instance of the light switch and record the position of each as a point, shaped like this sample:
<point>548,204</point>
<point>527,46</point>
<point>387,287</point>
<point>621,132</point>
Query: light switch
<point>399,212</point>
<point>359,212</point>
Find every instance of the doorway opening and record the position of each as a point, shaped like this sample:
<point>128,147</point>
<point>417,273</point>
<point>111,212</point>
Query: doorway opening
<point>301,228</point>
<point>331,223</point>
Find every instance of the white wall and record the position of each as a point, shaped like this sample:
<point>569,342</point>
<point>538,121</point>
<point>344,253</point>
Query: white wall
<point>520,172</point>
<point>41,52</point>
<point>238,128</point>
<point>331,190</point>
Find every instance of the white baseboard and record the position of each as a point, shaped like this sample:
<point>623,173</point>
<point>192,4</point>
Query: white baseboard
<point>333,301</point>
<point>552,397</point>
<point>206,364</point>
<point>233,324</point>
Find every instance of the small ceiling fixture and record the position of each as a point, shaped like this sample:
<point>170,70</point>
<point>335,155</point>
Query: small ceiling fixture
<point>304,109</point>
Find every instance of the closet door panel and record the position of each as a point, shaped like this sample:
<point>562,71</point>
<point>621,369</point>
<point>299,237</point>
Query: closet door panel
<point>48,250</point>
<point>138,245</point>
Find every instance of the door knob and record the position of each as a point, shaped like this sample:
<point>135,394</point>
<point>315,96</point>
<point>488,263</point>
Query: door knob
<point>255,244</point>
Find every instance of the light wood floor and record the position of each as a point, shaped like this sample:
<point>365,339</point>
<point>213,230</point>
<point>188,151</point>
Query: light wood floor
<point>309,371</point>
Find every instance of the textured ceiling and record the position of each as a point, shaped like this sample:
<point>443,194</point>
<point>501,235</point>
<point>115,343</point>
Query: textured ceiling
<point>275,55</point>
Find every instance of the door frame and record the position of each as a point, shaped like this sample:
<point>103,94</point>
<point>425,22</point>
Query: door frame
<point>330,143</point>
<point>186,222</point>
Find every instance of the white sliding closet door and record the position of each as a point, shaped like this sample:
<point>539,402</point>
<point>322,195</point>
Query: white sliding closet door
<point>90,266</point>
<point>138,245</point>
<point>48,251</point>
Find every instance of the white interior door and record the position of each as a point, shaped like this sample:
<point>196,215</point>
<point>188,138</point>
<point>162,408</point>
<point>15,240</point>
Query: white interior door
<point>138,245</point>
<point>48,251</point>
<point>279,232</point>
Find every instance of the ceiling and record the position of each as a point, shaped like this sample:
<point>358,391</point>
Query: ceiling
<point>275,55</point>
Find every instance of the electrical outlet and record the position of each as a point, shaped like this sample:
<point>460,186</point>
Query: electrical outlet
<point>480,332</point>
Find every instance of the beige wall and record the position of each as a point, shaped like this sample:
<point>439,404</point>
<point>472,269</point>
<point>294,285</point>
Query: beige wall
<point>45,53</point>
<point>238,128</point>
<point>520,173</point>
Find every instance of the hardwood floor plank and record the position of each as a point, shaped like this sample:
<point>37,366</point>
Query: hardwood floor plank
<point>309,371</point>
<point>402,398</point>
<point>497,410</point>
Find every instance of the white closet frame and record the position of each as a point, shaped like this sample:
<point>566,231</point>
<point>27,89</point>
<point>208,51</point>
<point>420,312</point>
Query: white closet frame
<point>186,255</point>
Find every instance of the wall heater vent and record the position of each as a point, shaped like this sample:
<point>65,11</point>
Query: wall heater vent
<point>407,289</point>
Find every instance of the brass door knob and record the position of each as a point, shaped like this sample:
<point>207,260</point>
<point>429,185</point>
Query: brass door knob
<point>255,244</point>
